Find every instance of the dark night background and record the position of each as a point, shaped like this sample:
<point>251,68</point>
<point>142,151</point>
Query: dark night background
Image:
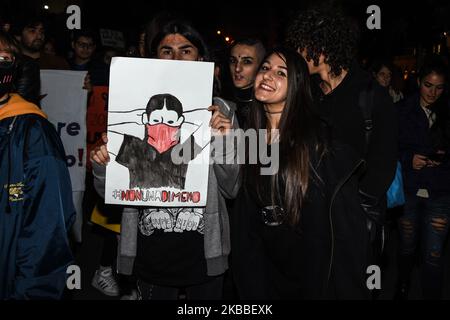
<point>409,30</point>
<point>405,25</point>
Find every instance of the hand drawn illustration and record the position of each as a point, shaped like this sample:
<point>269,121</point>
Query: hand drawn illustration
<point>157,142</point>
<point>149,160</point>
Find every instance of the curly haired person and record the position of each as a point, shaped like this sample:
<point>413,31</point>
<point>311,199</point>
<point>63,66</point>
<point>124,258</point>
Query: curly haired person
<point>327,40</point>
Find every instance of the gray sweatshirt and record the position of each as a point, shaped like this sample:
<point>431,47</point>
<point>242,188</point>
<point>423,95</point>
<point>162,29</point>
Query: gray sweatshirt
<point>223,182</point>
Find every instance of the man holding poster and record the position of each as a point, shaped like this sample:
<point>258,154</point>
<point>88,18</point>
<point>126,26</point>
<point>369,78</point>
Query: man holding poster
<point>180,237</point>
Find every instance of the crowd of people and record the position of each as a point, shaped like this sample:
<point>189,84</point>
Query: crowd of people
<point>308,231</point>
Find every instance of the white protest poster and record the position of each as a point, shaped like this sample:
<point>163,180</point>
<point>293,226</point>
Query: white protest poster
<point>158,131</point>
<point>64,101</point>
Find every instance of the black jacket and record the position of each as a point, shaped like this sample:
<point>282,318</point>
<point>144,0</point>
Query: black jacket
<point>324,258</point>
<point>243,98</point>
<point>416,137</point>
<point>341,109</point>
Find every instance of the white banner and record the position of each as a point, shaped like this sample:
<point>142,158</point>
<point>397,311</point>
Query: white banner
<point>157,112</point>
<point>64,101</point>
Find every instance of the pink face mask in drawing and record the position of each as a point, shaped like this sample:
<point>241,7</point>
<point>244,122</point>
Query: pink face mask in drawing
<point>163,124</point>
<point>162,137</point>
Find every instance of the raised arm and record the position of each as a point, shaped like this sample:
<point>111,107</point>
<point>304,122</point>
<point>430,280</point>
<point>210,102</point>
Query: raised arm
<point>122,122</point>
<point>226,168</point>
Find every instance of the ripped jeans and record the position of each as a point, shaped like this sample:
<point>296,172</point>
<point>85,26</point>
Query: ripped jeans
<point>424,225</point>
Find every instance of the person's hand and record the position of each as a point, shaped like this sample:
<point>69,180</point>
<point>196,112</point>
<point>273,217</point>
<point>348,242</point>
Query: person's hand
<point>434,163</point>
<point>419,161</point>
<point>145,222</point>
<point>100,154</point>
<point>431,163</point>
<point>162,220</point>
<point>87,83</point>
<point>187,220</point>
<point>219,123</point>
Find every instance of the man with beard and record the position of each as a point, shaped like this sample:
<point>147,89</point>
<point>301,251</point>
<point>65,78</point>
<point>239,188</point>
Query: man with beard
<point>31,35</point>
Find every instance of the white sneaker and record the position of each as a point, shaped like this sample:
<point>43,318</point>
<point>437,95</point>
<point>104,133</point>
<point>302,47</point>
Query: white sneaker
<point>105,282</point>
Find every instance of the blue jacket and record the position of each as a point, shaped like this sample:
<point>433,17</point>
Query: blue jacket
<point>36,207</point>
<point>416,137</point>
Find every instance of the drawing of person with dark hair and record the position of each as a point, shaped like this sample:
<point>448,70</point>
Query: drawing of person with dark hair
<point>149,161</point>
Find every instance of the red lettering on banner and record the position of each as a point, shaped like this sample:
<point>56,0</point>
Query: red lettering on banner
<point>163,196</point>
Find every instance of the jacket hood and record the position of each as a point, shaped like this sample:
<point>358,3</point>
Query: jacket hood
<point>17,106</point>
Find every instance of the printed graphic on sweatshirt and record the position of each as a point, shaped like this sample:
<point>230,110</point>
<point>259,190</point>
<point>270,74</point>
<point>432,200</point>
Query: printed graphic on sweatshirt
<point>171,220</point>
<point>15,191</point>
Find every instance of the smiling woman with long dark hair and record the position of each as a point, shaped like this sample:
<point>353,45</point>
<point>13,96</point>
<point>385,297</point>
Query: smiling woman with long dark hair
<point>300,232</point>
<point>298,127</point>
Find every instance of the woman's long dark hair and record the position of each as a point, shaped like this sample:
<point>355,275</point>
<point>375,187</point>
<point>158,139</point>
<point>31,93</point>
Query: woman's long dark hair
<point>299,133</point>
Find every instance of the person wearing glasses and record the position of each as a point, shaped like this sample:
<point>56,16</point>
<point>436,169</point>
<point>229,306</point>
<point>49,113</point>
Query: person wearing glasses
<point>83,46</point>
<point>36,208</point>
<point>299,233</point>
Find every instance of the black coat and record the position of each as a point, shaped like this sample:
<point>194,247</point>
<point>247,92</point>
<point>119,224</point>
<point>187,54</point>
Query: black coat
<point>416,137</point>
<point>325,258</point>
<point>342,111</point>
